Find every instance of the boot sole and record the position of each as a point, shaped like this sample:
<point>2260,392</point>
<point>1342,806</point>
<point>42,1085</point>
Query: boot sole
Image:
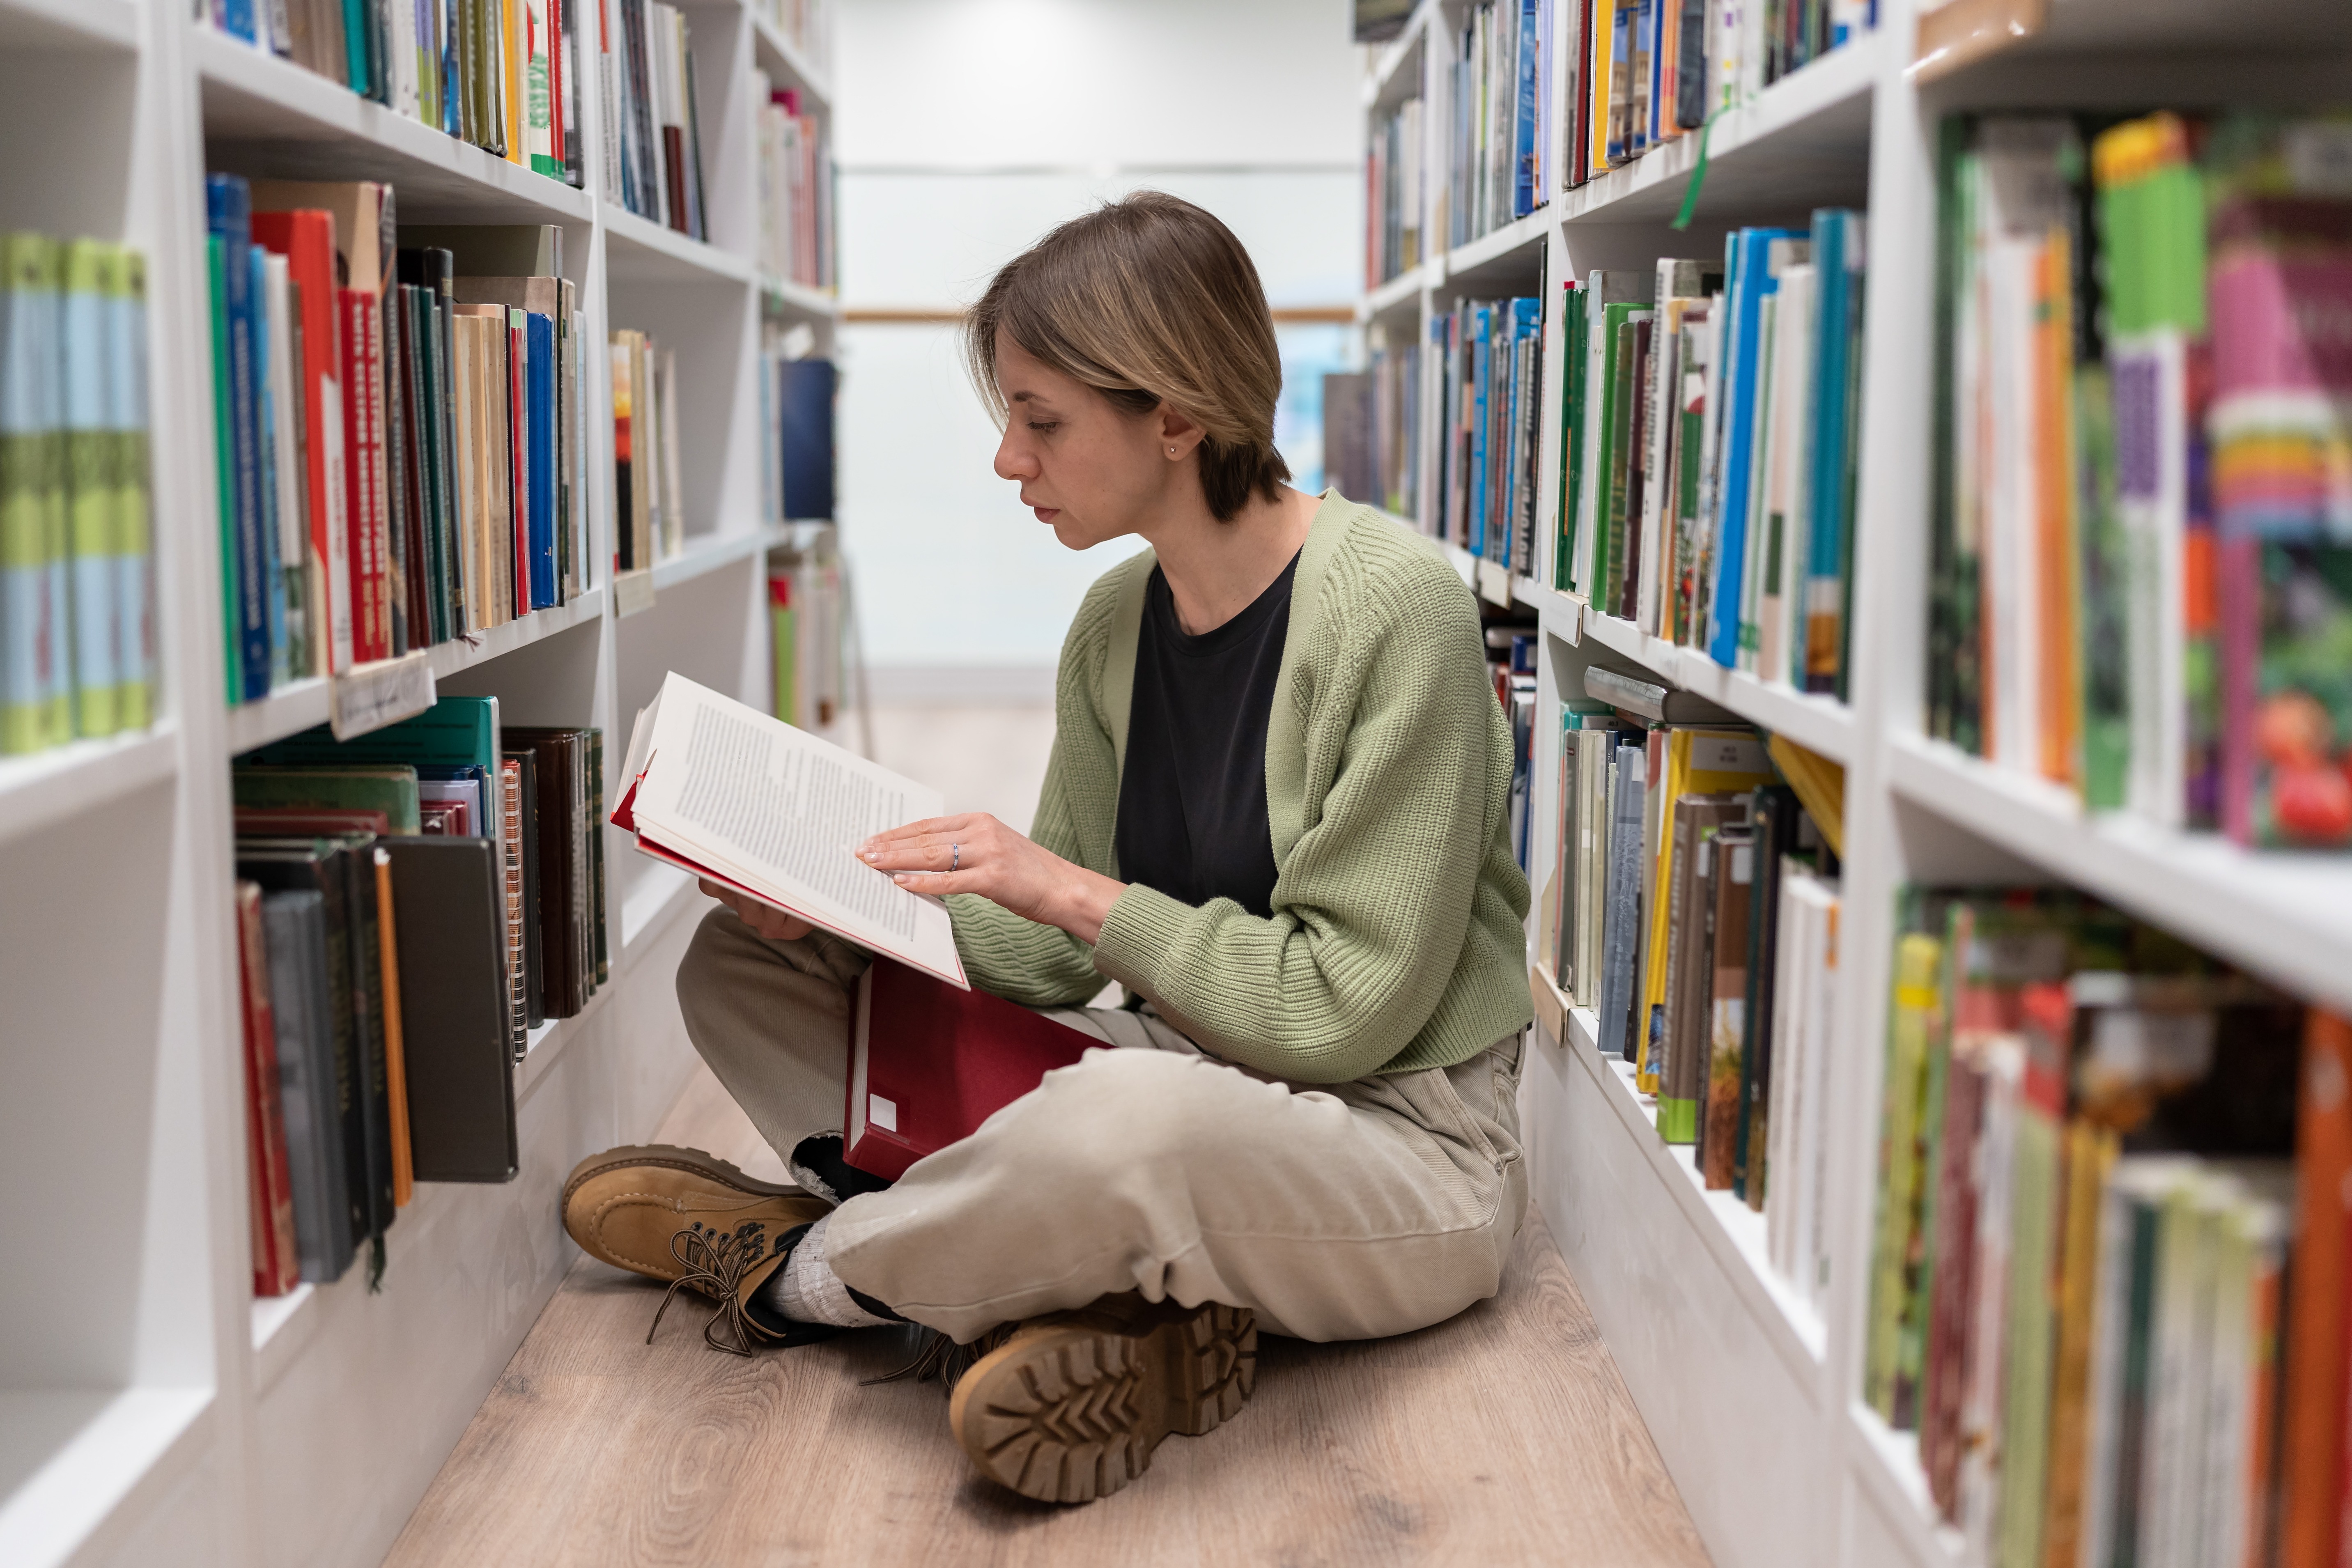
<point>670,1156</point>
<point>1073,1411</point>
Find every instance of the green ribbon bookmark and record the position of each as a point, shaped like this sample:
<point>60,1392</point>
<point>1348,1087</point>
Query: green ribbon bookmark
<point>1698,178</point>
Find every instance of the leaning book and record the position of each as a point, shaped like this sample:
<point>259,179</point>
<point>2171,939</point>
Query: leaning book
<point>724,790</point>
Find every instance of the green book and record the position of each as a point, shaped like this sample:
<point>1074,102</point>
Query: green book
<point>1572,445</point>
<point>223,470</point>
<point>454,733</point>
<point>389,787</point>
<point>135,655</point>
<point>89,264</point>
<point>1604,502</point>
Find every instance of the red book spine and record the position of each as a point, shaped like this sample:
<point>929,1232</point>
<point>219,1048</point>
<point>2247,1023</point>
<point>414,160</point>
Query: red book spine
<point>363,448</point>
<point>519,461</point>
<point>307,240</point>
<point>555,30</point>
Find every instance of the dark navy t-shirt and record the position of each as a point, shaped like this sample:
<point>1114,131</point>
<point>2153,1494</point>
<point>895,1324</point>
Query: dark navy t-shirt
<point>1192,801</point>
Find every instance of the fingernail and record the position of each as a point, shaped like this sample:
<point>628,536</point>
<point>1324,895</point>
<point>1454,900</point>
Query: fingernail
<point>867,854</point>
<point>900,877</point>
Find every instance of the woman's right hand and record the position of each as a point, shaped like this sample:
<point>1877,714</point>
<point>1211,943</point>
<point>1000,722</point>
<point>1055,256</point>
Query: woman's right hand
<point>765,919</point>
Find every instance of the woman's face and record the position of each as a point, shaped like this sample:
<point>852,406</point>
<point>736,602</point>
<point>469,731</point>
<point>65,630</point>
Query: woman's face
<point>1087,470</point>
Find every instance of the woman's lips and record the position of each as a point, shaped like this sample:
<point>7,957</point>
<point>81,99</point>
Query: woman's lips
<point>1047,513</point>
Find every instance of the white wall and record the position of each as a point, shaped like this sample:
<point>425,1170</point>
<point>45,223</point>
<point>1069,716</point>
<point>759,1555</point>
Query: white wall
<point>968,128</point>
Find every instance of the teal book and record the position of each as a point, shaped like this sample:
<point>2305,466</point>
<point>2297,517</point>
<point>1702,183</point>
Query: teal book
<point>454,733</point>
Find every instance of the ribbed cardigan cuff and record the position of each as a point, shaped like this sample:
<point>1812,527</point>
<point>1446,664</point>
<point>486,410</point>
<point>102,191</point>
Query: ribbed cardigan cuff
<point>1142,927</point>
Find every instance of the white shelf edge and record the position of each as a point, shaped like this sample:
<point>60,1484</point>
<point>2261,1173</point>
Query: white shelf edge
<point>1819,86</point>
<point>303,704</point>
<point>1519,234</point>
<point>684,257</point>
<point>44,787</point>
<point>1561,613</point>
<point>1888,1462</point>
<point>1732,1232</point>
<point>800,298</point>
<point>2283,915</point>
<point>708,553</point>
<point>1393,295</point>
<point>272,1313</point>
<point>331,107</point>
<point>660,891</point>
<point>90,1476</point>
<point>70,24</point>
<point>1394,53</point>
<point>780,51</point>
<point>1816,723</point>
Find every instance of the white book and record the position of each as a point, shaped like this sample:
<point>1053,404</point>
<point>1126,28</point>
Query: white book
<point>1785,518</point>
<point>720,789</point>
<point>287,475</point>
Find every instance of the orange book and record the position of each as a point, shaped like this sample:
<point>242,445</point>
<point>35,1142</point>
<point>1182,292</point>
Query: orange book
<point>396,1059</point>
<point>2314,1382</point>
<point>2055,475</point>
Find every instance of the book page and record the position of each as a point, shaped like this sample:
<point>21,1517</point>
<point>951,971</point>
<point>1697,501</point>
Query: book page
<point>781,811</point>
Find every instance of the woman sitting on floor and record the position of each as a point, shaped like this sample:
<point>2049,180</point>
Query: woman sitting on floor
<point>1276,812</point>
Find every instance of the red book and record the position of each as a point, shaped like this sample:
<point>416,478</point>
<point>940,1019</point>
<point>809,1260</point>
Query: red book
<point>929,1063</point>
<point>2311,1441</point>
<point>369,520</point>
<point>277,1267</point>
<point>306,237</point>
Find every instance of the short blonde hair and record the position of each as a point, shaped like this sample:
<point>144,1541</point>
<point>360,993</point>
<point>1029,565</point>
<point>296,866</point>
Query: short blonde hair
<point>1148,300</point>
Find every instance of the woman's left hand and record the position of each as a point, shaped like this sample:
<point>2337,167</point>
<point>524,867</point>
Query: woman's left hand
<point>974,853</point>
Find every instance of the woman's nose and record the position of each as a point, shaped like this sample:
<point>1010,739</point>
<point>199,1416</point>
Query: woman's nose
<point>1011,461</point>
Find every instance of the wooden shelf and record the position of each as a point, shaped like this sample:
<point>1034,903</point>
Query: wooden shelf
<point>44,787</point>
<point>269,118</point>
<point>2283,915</point>
<point>639,250</point>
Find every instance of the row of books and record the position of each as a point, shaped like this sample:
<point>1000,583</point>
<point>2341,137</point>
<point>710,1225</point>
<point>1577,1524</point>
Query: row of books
<point>1499,97</point>
<point>2092,1292</point>
<point>1693,907</point>
<point>806,624</point>
<point>652,138</point>
<point>649,498</point>
<point>2140,586</point>
<point>797,394</point>
<point>411,904</point>
<point>1371,425</point>
<point>1490,353</point>
<point>795,191</point>
<point>807,25</point>
<point>1396,198</point>
<point>503,75</point>
<point>398,427</point>
<point>1710,427</point>
<point>77,565</point>
<point>1641,73</point>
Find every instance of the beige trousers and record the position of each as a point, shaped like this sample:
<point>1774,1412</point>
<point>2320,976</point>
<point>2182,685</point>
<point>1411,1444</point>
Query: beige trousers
<point>1333,1211</point>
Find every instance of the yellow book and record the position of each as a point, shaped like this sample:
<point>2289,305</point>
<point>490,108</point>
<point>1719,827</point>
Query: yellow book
<point>2090,1154</point>
<point>1699,762</point>
<point>510,15</point>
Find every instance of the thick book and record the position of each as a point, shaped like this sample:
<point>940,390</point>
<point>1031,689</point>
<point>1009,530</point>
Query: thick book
<point>455,1008</point>
<point>722,790</point>
<point>929,1062</point>
<point>306,237</point>
<point>303,1011</point>
<point>277,1261</point>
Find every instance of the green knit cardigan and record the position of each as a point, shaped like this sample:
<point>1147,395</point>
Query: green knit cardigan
<point>1397,940</point>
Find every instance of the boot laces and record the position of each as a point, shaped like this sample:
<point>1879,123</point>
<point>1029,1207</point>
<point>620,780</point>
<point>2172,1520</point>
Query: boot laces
<point>714,1262</point>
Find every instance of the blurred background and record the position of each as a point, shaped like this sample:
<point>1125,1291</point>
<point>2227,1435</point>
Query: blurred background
<point>966,130</point>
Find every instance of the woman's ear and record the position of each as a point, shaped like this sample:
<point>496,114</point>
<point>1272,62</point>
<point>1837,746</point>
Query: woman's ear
<point>1178,433</point>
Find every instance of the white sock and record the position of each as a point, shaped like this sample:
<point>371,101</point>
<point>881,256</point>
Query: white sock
<point>807,1291</point>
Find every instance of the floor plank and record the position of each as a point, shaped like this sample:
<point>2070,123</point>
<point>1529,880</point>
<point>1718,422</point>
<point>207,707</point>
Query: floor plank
<point>1505,1435</point>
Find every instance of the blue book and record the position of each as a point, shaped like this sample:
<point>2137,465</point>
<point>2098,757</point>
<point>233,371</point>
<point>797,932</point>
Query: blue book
<point>1527,331</point>
<point>1524,196</point>
<point>1480,359</point>
<point>539,394</point>
<point>804,389</point>
<point>1837,274</point>
<point>1747,279</point>
<point>264,430</point>
<point>236,19</point>
<point>229,211</point>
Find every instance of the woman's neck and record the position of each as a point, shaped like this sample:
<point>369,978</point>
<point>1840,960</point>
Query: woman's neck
<point>1217,570</point>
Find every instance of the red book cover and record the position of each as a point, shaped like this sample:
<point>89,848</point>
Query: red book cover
<point>929,1063</point>
<point>519,461</point>
<point>2311,1439</point>
<point>276,1267</point>
<point>363,485</point>
<point>307,239</point>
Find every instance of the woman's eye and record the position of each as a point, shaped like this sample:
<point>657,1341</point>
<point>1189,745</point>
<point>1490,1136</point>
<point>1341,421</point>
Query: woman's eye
<point>1044,426</point>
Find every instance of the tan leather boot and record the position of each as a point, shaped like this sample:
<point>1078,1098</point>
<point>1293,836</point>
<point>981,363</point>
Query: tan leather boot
<point>1070,1406</point>
<point>693,1222</point>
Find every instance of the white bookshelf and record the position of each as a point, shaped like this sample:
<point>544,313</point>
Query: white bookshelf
<point>1752,1392</point>
<point>152,1410</point>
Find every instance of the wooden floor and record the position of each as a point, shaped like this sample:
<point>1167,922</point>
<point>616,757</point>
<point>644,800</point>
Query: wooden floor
<point>1502,1436</point>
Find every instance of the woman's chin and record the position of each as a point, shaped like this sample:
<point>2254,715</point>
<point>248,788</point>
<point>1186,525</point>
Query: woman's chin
<point>1073,534</point>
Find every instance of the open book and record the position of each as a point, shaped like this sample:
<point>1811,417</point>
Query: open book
<point>722,790</point>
